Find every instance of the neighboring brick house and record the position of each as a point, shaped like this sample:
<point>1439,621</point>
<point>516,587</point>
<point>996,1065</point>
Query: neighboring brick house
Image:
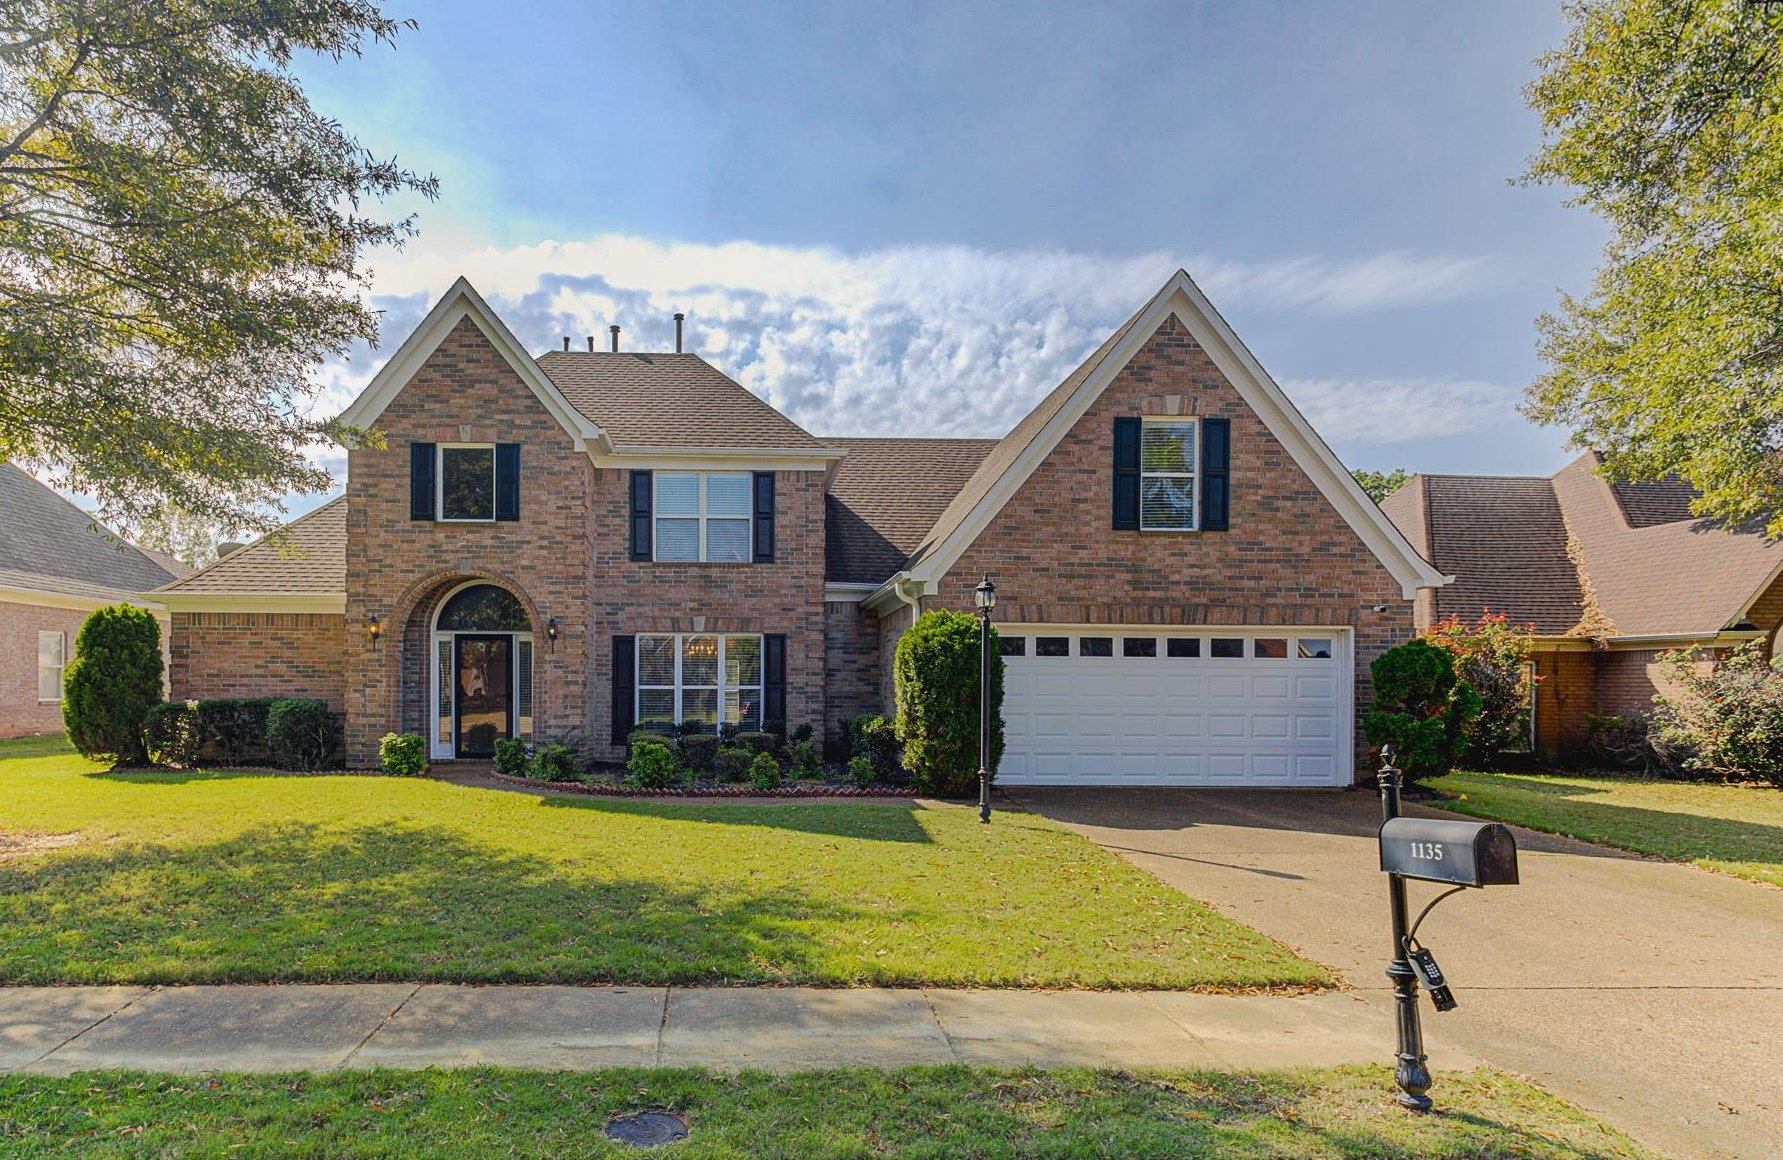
<point>1609,575</point>
<point>56,567</point>
<point>563,546</point>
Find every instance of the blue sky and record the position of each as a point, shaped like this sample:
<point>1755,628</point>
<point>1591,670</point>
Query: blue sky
<point>915,218</point>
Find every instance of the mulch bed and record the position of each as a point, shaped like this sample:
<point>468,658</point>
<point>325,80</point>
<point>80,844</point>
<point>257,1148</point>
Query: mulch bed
<point>801,790</point>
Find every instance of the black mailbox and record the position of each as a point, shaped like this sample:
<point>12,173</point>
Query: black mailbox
<point>1464,853</point>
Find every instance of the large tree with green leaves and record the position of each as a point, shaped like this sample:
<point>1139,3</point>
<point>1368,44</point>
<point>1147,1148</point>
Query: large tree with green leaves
<point>181,241</point>
<point>1381,484</point>
<point>1666,116</point>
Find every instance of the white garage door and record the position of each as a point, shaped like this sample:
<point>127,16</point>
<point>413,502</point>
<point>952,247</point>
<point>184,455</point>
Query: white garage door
<point>1106,705</point>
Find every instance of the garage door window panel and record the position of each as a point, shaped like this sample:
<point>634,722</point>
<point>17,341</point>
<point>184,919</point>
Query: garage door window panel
<point>1270,648</point>
<point>1227,648</point>
<point>1012,646</point>
<point>1317,648</point>
<point>1095,646</point>
<point>1183,647</point>
<point>1052,646</point>
<point>1139,646</point>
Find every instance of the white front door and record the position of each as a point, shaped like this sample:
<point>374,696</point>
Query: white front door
<point>1134,705</point>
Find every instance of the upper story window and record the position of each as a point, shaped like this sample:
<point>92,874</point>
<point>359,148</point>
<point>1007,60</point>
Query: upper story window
<point>1167,475</point>
<point>467,481</point>
<point>702,516</point>
<point>464,483</point>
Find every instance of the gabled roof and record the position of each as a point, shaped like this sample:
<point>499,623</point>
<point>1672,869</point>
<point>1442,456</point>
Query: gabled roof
<point>47,544</point>
<point>1504,541</point>
<point>305,560</point>
<point>1017,455</point>
<point>653,401</point>
<point>886,496</point>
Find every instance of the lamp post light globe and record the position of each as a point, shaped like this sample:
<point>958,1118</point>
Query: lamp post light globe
<point>985,596</point>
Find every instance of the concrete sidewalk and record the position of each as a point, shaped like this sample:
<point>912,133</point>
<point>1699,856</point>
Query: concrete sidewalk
<point>275,1028</point>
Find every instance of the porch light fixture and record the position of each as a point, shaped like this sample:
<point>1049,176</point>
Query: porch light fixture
<point>373,629</point>
<point>551,628</point>
<point>985,596</point>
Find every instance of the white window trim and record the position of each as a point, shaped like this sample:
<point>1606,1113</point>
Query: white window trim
<point>61,669</point>
<point>439,482</point>
<point>680,638</point>
<point>1194,477</point>
<point>656,518</point>
<point>447,749</point>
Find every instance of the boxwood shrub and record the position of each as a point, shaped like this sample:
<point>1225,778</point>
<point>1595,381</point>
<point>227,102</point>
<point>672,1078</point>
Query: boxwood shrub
<point>302,734</point>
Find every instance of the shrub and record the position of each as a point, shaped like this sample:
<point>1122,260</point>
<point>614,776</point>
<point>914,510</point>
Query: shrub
<point>757,742</point>
<point>232,730</point>
<point>112,683</point>
<point>732,763</point>
<point>699,751</point>
<point>1628,742</point>
<point>1492,655</point>
<point>554,763</point>
<point>874,738</point>
<point>652,765</point>
<point>936,675</point>
<point>170,734</point>
<point>1727,718</point>
<point>764,771</point>
<point>1421,707</point>
<point>805,761</point>
<point>802,734</point>
<point>860,770</point>
<point>302,734</point>
<point>403,754</point>
<point>511,756</point>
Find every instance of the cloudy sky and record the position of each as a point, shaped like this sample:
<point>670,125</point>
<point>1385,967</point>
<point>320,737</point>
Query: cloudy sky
<point>915,218</point>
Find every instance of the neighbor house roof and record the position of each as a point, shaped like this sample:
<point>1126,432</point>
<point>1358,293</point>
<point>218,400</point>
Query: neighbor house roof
<point>47,544</point>
<point>1503,540</point>
<point>670,400</point>
<point>307,558</point>
<point>885,498</point>
<point>1649,566</point>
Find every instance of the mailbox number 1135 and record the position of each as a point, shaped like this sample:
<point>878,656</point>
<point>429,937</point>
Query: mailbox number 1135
<point>1429,851</point>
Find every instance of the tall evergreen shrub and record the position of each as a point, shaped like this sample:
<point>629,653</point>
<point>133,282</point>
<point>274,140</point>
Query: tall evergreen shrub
<point>1422,708</point>
<point>936,674</point>
<point>112,683</point>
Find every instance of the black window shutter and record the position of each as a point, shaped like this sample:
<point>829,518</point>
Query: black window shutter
<point>773,678</point>
<point>625,686</point>
<point>764,517</point>
<point>421,468</point>
<point>1126,474</point>
<point>507,481</point>
<point>640,515</point>
<point>1216,474</point>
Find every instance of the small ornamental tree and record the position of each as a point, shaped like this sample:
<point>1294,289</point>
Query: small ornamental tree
<point>1725,719</point>
<point>1421,707</point>
<point>1492,655</point>
<point>112,683</point>
<point>936,675</point>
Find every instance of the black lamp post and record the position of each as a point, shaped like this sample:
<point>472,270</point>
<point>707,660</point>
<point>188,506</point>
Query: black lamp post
<point>985,596</point>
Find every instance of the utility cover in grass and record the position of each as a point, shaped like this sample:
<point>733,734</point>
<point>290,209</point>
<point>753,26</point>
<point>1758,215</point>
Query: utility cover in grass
<point>647,1129</point>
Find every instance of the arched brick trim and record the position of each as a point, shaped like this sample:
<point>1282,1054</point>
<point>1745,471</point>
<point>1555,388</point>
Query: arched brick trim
<point>414,610</point>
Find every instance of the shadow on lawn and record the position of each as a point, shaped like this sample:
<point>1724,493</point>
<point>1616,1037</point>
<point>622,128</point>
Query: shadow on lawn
<point>293,902</point>
<point>838,818</point>
<point>1667,833</point>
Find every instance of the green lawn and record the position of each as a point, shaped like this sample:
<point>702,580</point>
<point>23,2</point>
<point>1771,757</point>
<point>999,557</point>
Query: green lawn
<point>1736,829</point>
<point>172,877</point>
<point>928,1112</point>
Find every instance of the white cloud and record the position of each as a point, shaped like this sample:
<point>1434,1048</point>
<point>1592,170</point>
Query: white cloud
<point>935,340</point>
<point>1379,411</point>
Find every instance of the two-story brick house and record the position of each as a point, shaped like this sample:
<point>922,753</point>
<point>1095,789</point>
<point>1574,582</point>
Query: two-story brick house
<point>560,546</point>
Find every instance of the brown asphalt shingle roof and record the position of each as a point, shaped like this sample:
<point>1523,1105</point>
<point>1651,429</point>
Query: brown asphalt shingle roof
<point>670,400</point>
<point>312,561</point>
<point>48,544</point>
<point>885,497</point>
<point>1504,541</point>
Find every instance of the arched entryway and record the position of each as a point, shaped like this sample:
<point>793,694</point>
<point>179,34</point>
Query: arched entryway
<point>482,671</point>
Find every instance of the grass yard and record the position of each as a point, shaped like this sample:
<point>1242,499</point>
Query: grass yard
<point>173,877</point>
<point>1735,829</point>
<point>916,1112</point>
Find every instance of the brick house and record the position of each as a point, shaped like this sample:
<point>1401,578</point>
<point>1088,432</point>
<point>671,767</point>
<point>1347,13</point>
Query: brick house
<point>1610,575</point>
<point>558,547</point>
<point>56,567</point>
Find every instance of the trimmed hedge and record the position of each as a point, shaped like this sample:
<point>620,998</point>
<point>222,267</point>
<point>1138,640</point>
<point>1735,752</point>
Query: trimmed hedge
<point>302,734</point>
<point>283,732</point>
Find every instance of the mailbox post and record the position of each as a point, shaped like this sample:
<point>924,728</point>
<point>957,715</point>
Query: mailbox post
<point>1409,1070</point>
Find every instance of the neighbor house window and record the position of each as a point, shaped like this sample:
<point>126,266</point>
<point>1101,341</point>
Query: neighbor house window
<point>1167,464</point>
<point>467,481</point>
<point>52,658</point>
<point>702,516</point>
<point>699,679</point>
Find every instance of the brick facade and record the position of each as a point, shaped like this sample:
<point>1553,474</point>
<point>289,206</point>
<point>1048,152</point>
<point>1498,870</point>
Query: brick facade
<point>258,654</point>
<point>20,711</point>
<point>1288,559</point>
<point>852,674</point>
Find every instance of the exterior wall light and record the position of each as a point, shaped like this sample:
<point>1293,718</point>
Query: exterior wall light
<point>551,628</point>
<point>985,596</point>
<point>373,629</point>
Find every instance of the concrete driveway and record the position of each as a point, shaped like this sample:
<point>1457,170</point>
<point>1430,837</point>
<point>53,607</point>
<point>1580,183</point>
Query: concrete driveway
<point>1649,993</point>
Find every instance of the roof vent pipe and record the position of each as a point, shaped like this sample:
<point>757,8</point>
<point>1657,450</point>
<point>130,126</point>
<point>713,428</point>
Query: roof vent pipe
<point>679,319</point>
<point>566,343</point>
<point>614,329</point>
<point>591,344</point>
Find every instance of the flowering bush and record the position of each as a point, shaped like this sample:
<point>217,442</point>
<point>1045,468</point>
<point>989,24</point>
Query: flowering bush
<point>1492,655</point>
<point>1727,717</point>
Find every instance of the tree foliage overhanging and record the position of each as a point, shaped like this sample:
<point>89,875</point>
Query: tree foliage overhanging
<point>1666,117</point>
<point>181,236</point>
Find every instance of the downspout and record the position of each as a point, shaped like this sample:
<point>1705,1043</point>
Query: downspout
<point>914,602</point>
